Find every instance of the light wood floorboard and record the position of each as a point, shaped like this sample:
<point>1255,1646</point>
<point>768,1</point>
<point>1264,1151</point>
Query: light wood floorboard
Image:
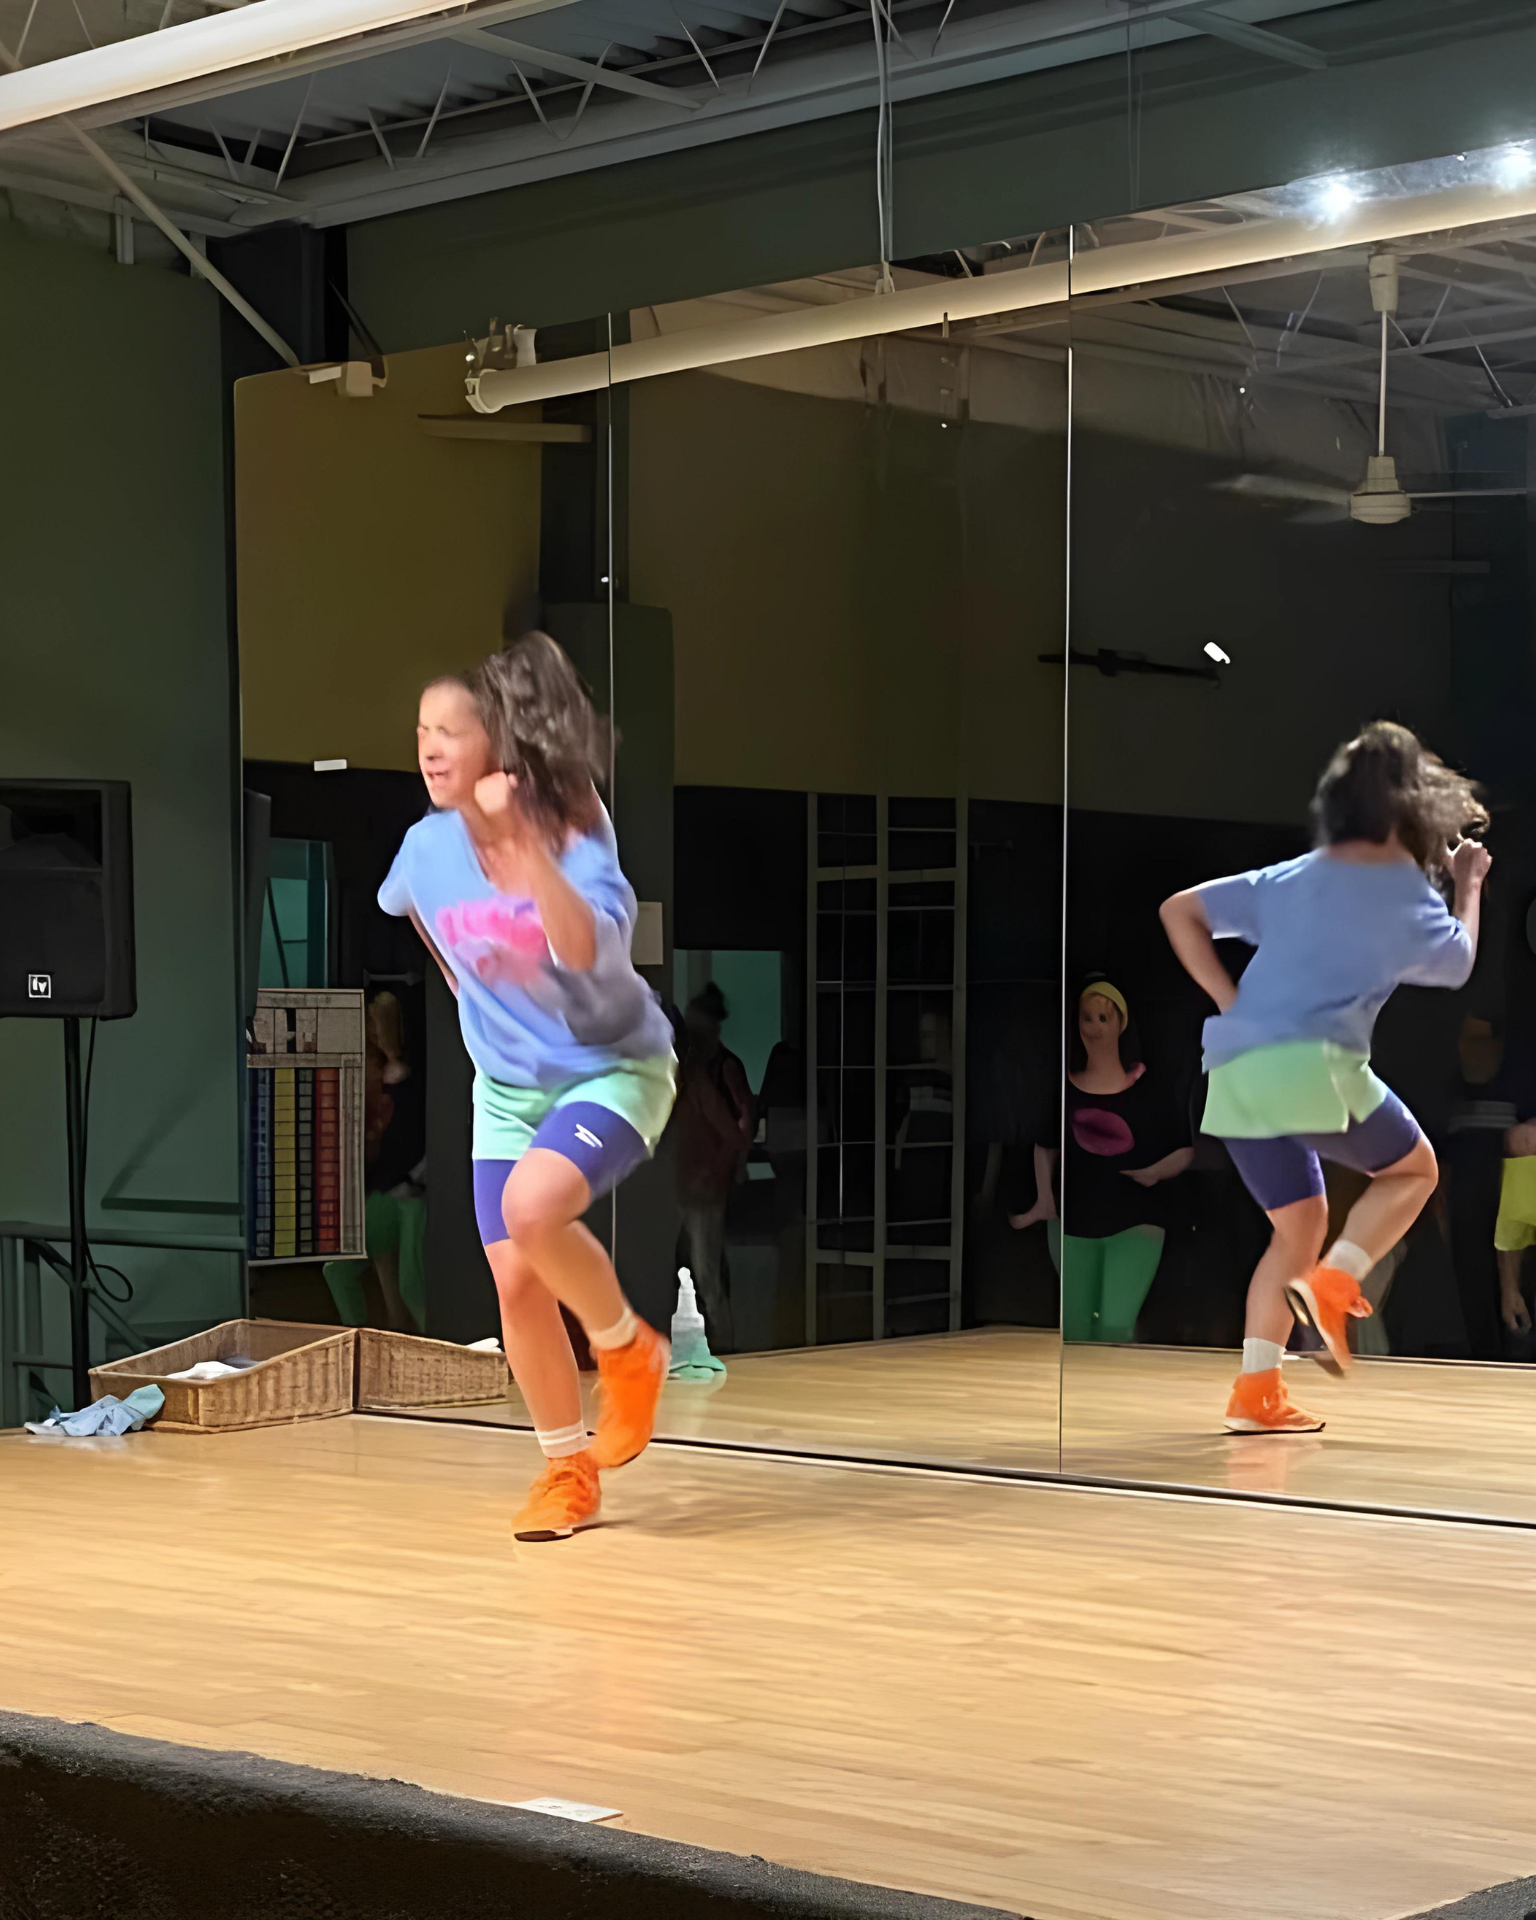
<point>990,1395</point>
<point>1400,1433</point>
<point>1076,1705</point>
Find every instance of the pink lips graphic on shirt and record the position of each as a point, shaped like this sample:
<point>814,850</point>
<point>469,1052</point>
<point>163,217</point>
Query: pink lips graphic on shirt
<point>1098,1131</point>
<point>502,942</point>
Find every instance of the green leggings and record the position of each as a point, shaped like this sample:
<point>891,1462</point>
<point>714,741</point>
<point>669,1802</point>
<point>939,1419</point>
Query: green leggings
<point>1103,1282</point>
<point>394,1232</point>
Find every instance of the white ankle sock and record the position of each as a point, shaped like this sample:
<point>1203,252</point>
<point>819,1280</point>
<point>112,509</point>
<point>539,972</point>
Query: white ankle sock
<point>563,1442</point>
<point>619,1334</point>
<point>1346,1257</point>
<point>1261,1356</point>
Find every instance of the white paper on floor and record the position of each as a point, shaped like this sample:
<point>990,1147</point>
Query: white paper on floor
<point>567,1809</point>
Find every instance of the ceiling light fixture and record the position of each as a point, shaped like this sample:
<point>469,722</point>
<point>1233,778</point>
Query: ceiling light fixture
<point>1335,197</point>
<point>1218,654</point>
<point>1513,166</point>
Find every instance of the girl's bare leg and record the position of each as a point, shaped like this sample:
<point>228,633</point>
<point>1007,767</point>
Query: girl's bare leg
<point>1299,1232</point>
<point>1392,1202</point>
<point>545,1197</point>
<point>537,1345</point>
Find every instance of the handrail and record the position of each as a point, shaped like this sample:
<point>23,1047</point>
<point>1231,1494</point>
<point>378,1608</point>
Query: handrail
<point>128,1237</point>
<point>98,1297</point>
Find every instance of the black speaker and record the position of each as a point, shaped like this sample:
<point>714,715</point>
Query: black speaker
<point>66,899</point>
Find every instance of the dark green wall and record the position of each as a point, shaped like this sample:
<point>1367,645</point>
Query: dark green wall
<point>1409,79</point>
<point>114,661</point>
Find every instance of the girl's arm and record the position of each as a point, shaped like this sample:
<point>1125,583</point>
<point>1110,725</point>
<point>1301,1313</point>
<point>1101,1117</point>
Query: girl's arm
<point>570,925</point>
<point>1189,934</point>
<point>1469,864</point>
<point>431,946</point>
<point>1168,1168</point>
<point>517,856</point>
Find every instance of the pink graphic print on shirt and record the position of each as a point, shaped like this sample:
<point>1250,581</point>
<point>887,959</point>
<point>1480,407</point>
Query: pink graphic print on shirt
<point>502,942</point>
<point>1097,1130</point>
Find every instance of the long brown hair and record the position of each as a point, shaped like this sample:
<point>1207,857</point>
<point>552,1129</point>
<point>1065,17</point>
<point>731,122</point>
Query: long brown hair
<point>1386,780</point>
<point>544,730</point>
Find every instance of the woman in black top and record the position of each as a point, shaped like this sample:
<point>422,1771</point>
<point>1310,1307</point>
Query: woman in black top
<point>1123,1140</point>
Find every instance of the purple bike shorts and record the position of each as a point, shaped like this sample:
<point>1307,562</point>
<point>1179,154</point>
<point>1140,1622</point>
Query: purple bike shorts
<point>1280,1171</point>
<point>600,1142</point>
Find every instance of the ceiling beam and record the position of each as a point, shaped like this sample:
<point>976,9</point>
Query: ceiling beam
<point>1220,26</point>
<point>1452,343</point>
<point>11,67</point>
<point>810,88</point>
<point>160,165</point>
<point>1066,33</point>
<point>572,69</point>
<point>74,193</point>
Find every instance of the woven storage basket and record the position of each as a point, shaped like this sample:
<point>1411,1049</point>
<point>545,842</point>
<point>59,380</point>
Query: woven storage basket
<point>302,1373</point>
<point>404,1370</point>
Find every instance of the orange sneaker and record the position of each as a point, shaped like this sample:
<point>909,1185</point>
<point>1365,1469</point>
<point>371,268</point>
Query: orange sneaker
<point>1260,1404</point>
<point>1324,1300</point>
<point>564,1497</point>
<point>630,1380</point>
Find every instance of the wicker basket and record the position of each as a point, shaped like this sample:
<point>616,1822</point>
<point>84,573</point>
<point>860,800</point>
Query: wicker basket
<point>302,1373</point>
<point>404,1370</point>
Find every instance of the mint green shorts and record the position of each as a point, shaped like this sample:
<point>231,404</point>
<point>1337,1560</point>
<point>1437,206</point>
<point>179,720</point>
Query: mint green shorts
<point>638,1091</point>
<point>1291,1087</point>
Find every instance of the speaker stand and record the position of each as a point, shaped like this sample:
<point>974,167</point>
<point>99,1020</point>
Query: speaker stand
<point>79,1284</point>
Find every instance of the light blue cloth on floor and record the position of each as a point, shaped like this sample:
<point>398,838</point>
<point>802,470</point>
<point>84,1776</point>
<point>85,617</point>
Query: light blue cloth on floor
<point>106,1415</point>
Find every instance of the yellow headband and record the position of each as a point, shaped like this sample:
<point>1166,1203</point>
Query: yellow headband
<point>1106,992</point>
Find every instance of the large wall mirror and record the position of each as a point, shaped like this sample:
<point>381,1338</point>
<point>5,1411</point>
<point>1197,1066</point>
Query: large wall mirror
<point>1251,585</point>
<point>866,603</point>
<point>817,590</point>
<point>854,556</point>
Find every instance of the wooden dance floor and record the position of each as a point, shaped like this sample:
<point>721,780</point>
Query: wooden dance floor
<point>1440,1437</point>
<point>990,1396</point>
<point>1070,1704</point>
<point>1400,1433</point>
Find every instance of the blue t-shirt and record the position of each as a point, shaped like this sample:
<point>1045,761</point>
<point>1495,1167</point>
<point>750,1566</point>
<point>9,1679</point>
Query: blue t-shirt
<point>1334,937</point>
<point>528,1021</point>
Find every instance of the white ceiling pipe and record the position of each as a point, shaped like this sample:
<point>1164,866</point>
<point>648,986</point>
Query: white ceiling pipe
<point>262,30</point>
<point>1368,223</point>
<point>729,340</point>
<point>1136,264</point>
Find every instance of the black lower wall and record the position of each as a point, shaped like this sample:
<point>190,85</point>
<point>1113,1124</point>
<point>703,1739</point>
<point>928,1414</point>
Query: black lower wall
<point>96,1825</point>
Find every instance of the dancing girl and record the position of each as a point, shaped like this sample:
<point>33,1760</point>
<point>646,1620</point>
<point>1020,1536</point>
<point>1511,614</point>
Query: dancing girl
<point>513,882</point>
<point>1289,1051</point>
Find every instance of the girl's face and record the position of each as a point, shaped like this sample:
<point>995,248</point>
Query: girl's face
<point>1098,1021</point>
<point>453,749</point>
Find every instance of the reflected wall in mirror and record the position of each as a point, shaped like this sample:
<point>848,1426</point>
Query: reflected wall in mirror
<point>382,542</point>
<point>856,554</point>
<point>1268,556</point>
<point>812,588</point>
